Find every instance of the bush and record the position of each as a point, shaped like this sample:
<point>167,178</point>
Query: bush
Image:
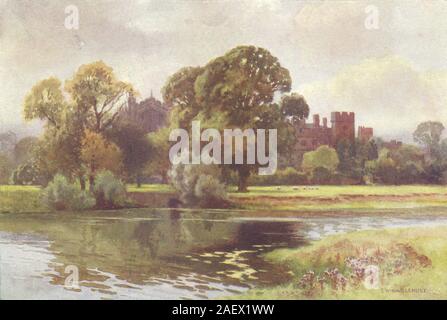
<point>199,185</point>
<point>321,175</point>
<point>210,191</point>
<point>109,191</point>
<point>60,194</point>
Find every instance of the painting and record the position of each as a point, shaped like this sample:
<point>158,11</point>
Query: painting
<point>223,150</point>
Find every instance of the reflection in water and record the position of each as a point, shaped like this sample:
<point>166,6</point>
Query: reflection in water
<point>154,254</point>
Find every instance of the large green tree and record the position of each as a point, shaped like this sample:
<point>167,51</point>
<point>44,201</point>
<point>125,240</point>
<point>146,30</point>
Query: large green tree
<point>236,90</point>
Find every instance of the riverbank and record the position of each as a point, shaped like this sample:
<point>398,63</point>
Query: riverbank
<point>287,198</point>
<point>412,264</point>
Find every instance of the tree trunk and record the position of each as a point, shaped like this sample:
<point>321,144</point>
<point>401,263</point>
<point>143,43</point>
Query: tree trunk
<point>138,179</point>
<point>243,179</point>
<point>82,182</point>
<point>91,180</point>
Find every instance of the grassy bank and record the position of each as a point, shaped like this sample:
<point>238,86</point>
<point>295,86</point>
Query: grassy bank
<point>20,199</point>
<point>309,198</point>
<point>301,198</point>
<point>412,265</point>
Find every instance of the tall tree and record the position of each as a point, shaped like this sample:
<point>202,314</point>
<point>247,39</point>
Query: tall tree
<point>99,154</point>
<point>92,100</point>
<point>135,148</point>
<point>236,90</point>
<point>46,102</point>
<point>98,95</point>
<point>428,134</point>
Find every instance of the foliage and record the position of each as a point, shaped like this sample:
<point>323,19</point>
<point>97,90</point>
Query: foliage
<point>159,161</point>
<point>27,174</point>
<point>46,101</point>
<point>91,100</point>
<point>6,167</point>
<point>199,185</point>
<point>294,107</point>
<point>98,95</point>
<point>324,156</point>
<point>60,194</point>
<point>321,175</point>
<point>428,134</point>
<point>23,150</point>
<point>135,147</point>
<point>99,154</point>
<point>109,191</point>
<point>235,90</point>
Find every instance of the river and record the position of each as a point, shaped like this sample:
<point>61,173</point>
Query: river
<point>160,254</point>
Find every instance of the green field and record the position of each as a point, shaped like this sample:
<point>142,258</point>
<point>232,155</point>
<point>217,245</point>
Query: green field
<point>285,198</point>
<point>20,199</point>
<point>412,265</point>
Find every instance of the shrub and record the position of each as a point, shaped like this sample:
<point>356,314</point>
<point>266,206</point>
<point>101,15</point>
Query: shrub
<point>321,175</point>
<point>109,191</point>
<point>199,185</point>
<point>60,194</point>
<point>210,191</point>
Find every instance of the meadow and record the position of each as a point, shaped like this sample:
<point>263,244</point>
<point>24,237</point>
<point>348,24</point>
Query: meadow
<point>411,264</point>
<point>284,198</point>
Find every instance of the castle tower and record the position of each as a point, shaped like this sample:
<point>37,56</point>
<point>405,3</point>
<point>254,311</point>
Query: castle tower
<point>343,127</point>
<point>316,121</point>
<point>365,134</point>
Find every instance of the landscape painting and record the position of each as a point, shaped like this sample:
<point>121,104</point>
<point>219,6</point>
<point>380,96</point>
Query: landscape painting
<point>223,150</point>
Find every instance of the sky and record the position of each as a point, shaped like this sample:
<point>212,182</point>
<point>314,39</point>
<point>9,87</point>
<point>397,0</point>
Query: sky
<point>384,60</point>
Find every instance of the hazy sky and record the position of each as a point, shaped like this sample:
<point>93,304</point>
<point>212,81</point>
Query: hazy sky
<point>393,76</point>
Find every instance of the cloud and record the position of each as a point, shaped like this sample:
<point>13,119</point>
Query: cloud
<point>387,93</point>
<point>331,35</point>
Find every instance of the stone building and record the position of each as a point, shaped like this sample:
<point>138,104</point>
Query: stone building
<point>310,136</point>
<point>365,134</point>
<point>149,114</point>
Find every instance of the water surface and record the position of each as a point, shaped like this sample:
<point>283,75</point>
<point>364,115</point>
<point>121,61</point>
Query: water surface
<point>159,254</point>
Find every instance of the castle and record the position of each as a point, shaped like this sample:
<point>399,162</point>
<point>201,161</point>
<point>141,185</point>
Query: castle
<point>310,136</point>
<point>149,114</point>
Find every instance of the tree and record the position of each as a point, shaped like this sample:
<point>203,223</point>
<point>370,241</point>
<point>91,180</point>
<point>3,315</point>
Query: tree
<point>159,160</point>
<point>46,101</point>
<point>179,92</point>
<point>98,95</point>
<point>135,148</point>
<point>294,107</point>
<point>235,90</point>
<point>23,150</point>
<point>99,154</point>
<point>428,134</point>
<point>324,157</point>
<point>92,100</point>
<point>7,142</point>
<point>346,151</point>
<point>6,167</point>
<point>383,169</point>
<point>366,151</point>
<point>321,175</point>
